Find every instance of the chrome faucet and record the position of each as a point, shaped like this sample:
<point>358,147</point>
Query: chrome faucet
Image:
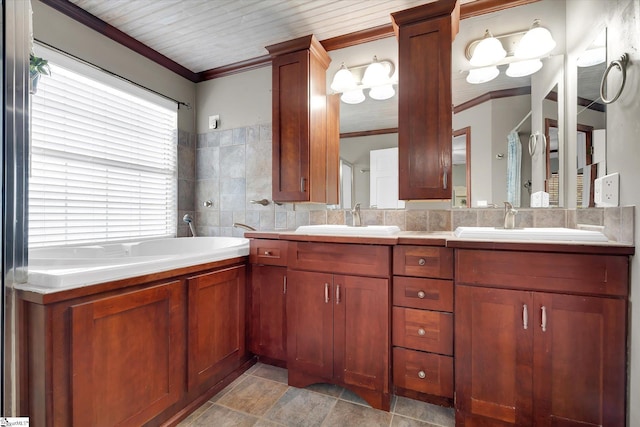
<point>357,219</point>
<point>509,216</point>
<point>244,226</point>
<point>189,220</point>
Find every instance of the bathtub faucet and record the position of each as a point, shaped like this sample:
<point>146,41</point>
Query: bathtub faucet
<point>245,226</point>
<point>189,220</point>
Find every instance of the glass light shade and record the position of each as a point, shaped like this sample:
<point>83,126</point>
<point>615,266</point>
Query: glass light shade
<point>482,75</point>
<point>381,93</point>
<point>535,43</point>
<point>343,80</point>
<point>523,68</point>
<point>375,74</point>
<point>592,57</point>
<point>488,52</point>
<point>353,97</point>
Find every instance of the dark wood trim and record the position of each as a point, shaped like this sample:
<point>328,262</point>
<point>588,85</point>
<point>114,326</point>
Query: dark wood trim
<point>592,105</point>
<point>496,94</point>
<point>467,132</point>
<point>76,13</point>
<point>548,123</point>
<point>368,133</point>
<point>80,15</point>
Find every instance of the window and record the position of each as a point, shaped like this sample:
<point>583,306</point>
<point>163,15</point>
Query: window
<point>103,161</point>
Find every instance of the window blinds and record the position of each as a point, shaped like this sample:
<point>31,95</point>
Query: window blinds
<point>103,163</point>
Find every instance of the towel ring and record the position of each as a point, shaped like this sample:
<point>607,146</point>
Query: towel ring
<point>533,142</point>
<point>620,64</point>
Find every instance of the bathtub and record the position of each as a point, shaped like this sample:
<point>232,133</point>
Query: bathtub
<point>55,269</point>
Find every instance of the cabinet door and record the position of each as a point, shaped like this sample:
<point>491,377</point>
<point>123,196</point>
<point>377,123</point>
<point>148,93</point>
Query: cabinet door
<point>424,120</point>
<point>579,360</point>
<point>310,300</point>
<point>216,316</point>
<point>493,356</point>
<point>291,127</point>
<point>268,321</point>
<point>361,337</point>
<point>127,356</point>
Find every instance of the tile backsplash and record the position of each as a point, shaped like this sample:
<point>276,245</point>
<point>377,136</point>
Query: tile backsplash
<point>232,167</point>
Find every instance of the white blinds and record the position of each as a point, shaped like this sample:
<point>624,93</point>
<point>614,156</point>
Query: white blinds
<point>103,163</point>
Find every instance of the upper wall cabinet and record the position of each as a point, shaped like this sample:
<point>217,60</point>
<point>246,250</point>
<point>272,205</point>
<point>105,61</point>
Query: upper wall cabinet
<point>300,122</point>
<point>425,34</point>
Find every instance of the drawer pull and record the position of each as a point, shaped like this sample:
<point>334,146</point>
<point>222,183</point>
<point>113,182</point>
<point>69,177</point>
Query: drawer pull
<point>267,253</point>
<point>422,375</point>
<point>421,261</point>
<point>421,294</point>
<point>421,332</point>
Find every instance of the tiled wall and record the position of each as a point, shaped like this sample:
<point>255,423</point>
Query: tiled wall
<point>233,167</point>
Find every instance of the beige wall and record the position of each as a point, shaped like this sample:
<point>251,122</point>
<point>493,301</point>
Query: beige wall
<point>62,32</point>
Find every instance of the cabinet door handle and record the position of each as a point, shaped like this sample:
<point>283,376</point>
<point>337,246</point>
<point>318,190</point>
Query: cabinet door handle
<point>422,261</point>
<point>326,293</point>
<point>544,319</point>
<point>525,317</point>
<point>338,294</point>
<point>422,375</point>
<point>421,294</point>
<point>444,179</point>
<point>421,332</point>
<point>302,180</point>
<point>284,285</point>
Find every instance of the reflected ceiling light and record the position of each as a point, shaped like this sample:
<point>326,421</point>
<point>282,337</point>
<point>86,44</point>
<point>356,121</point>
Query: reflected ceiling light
<point>482,75</point>
<point>592,57</point>
<point>375,76</point>
<point>523,68</point>
<point>488,52</point>
<point>381,93</point>
<point>343,80</point>
<point>353,96</point>
<point>535,43</point>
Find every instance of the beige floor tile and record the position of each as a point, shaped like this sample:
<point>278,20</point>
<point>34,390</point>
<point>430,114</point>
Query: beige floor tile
<point>324,388</point>
<point>300,407</point>
<point>422,411</point>
<point>271,373</point>
<point>228,388</point>
<point>350,396</point>
<point>195,414</point>
<point>352,415</point>
<point>254,395</point>
<point>219,416</point>
<point>400,421</point>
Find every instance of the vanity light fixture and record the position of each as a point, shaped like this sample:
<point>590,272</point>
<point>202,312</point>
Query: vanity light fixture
<point>592,57</point>
<point>489,52</point>
<point>375,76</point>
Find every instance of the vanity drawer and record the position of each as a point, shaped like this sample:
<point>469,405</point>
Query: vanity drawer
<point>423,330</point>
<point>423,261</point>
<point>423,372</point>
<point>341,258</point>
<point>429,294</point>
<point>268,252</point>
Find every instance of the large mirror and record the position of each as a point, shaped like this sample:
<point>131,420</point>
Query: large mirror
<point>490,111</point>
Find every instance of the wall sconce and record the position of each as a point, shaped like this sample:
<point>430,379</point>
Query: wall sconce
<point>524,60</point>
<point>375,76</point>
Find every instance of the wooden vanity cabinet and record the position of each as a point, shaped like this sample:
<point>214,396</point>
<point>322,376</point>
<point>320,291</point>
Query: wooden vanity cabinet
<point>338,317</point>
<point>299,125</point>
<point>425,34</point>
<point>422,323</point>
<point>268,331</point>
<point>540,338</point>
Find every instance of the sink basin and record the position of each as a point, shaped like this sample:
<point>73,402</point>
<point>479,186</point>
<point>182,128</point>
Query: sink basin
<point>347,230</point>
<point>555,233</point>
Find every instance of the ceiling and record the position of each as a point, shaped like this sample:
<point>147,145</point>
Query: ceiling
<point>202,35</point>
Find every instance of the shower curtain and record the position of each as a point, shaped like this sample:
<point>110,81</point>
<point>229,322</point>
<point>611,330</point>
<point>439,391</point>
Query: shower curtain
<point>514,158</point>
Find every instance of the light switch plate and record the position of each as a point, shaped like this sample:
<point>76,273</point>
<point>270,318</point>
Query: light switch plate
<point>606,190</point>
<point>214,122</point>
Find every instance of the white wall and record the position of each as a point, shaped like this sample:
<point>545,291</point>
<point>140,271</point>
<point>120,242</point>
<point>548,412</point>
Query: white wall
<point>62,32</point>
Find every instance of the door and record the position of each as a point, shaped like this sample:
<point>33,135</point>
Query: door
<point>127,356</point>
<point>361,331</point>
<point>579,372</point>
<point>268,321</point>
<point>310,299</point>
<point>216,330</point>
<point>493,351</point>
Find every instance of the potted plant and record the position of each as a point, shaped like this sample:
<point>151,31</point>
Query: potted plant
<point>37,66</point>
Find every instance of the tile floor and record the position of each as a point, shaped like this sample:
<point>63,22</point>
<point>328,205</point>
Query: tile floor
<point>261,397</point>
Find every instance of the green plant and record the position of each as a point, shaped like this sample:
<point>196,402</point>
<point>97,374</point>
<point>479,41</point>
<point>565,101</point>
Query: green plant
<point>38,65</point>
